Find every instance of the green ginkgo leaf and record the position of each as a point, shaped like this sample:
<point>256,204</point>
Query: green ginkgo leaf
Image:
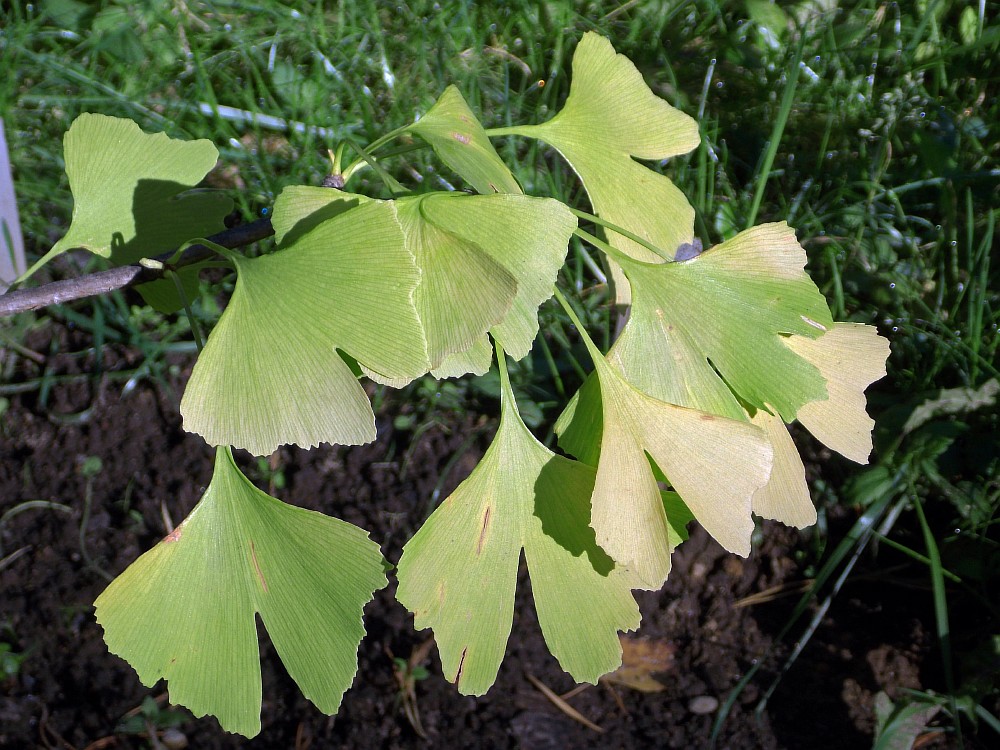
<point>581,423</point>
<point>610,117</point>
<point>460,141</point>
<point>459,571</point>
<point>527,237</point>
<point>298,209</point>
<point>129,190</point>
<point>270,373</point>
<point>184,611</point>
<point>487,262</point>
<point>704,328</point>
<point>463,290</point>
<point>476,360</point>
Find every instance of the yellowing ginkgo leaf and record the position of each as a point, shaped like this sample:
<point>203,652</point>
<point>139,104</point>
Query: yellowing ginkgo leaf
<point>720,321</point>
<point>851,356</point>
<point>270,373</point>
<point>785,497</point>
<point>130,196</point>
<point>184,611</point>
<point>459,140</point>
<point>715,464</point>
<point>459,571</point>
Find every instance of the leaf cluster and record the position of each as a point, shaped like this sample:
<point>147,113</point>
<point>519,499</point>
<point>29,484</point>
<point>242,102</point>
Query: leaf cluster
<point>683,418</point>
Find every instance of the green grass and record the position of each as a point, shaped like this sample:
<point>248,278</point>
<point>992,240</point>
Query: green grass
<point>872,129</point>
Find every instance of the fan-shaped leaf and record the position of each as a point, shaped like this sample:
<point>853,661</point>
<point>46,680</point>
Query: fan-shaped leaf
<point>128,187</point>
<point>458,573</point>
<point>729,309</point>
<point>488,262</point>
<point>459,140</point>
<point>851,357</point>
<point>610,116</point>
<point>463,291</point>
<point>270,373</point>
<point>184,611</point>
<point>785,497</point>
<point>299,209</point>
<point>714,463</point>
<point>527,237</point>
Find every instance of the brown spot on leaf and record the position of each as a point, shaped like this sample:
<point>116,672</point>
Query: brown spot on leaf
<point>461,138</point>
<point>256,566</point>
<point>439,591</point>
<point>461,664</point>
<point>482,533</point>
<point>174,535</point>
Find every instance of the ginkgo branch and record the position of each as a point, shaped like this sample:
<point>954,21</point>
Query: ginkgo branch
<point>121,277</point>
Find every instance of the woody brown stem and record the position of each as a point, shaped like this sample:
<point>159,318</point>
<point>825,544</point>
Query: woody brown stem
<point>56,292</point>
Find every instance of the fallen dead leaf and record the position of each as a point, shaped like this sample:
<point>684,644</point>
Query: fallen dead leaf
<point>641,659</point>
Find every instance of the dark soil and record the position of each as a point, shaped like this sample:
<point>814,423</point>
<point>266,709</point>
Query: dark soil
<point>71,693</point>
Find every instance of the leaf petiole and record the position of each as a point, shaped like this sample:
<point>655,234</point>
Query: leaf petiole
<point>610,250</point>
<point>623,232</point>
<point>391,135</point>
<point>225,252</point>
<point>367,158</point>
<point>502,367</point>
<point>595,353</point>
<point>188,311</point>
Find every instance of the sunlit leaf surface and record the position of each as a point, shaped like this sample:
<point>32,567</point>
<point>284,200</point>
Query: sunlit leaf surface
<point>301,208</point>
<point>459,140</point>
<point>487,263</point>
<point>184,611</point>
<point>459,572</point>
<point>270,373</point>
<point>610,117</point>
<point>851,357</point>
<point>785,497</point>
<point>129,190</point>
<point>526,237</point>
<point>714,463</point>
<point>463,291</point>
<point>702,329</point>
